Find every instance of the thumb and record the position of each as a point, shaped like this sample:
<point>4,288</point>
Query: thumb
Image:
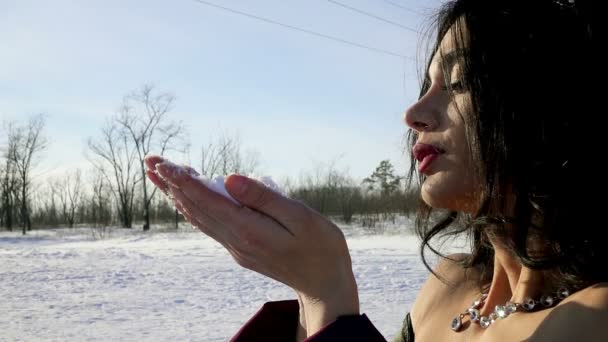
<point>254,194</point>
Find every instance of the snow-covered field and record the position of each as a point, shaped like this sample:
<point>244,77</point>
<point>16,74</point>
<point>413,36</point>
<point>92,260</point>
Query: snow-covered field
<point>63,285</point>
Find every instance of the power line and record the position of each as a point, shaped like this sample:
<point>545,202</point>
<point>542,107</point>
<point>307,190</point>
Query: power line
<point>374,16</point>
<point>403,7</point>
<point>340,40</point>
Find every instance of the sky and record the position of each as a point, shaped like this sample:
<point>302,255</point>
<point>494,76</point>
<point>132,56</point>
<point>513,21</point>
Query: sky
<point>298,99</point>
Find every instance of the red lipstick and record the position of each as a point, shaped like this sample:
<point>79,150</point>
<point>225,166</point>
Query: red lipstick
<point>425,154</point>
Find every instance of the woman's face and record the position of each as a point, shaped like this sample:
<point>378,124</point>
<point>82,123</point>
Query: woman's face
<point>441,149</point>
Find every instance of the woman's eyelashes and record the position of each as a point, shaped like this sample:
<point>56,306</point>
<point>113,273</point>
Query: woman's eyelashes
<point>453,80</point>
<point>456,87</point>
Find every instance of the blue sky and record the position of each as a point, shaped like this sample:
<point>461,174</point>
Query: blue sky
<point>298,99</point>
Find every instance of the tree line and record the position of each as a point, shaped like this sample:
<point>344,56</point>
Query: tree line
<point>114,191</point>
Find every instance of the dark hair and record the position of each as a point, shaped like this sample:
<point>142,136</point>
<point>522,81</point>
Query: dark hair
<point>529,67</point>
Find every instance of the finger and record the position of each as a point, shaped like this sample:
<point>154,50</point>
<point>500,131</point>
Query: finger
<point>241,219</point>
<point>242,222</point>
<point>200,226</point>
<point>182,179</point>
<point>247,232</point>
<point>256,195</point>
<point>199,218</point>
<point>152,160</point>
<point>252,263</point>
<point>157,181</point>
<point>244,259</point>
<point>191,171</point>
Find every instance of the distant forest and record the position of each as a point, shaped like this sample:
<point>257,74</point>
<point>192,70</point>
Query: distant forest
<point>115,191</point>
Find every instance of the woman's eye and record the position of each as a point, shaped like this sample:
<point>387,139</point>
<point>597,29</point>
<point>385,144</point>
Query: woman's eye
<point>456,87</point>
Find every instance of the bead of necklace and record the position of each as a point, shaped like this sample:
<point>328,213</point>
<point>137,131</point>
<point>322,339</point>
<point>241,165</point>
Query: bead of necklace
<point>505,310</point>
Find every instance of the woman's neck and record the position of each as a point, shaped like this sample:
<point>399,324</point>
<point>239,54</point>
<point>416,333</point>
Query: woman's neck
<point>511,281</point>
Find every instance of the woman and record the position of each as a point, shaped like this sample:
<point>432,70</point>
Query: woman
<point>503,133</point>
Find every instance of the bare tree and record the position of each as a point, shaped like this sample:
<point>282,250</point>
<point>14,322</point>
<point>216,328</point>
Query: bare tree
<point>144,117</point>
<point>114,156</point>
<point>29,143</point>
<point>210,159</point>
<point>319,187</point>
<point>9,180</point>
<point>75,193</point>
<point>100,206</point>
<point>6,195</point>
<point>47,203</point>
<point>225,156</point>
<point>69,191</point>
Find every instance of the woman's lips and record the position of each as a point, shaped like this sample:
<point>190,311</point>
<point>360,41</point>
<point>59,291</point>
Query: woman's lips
<point>425,154</point>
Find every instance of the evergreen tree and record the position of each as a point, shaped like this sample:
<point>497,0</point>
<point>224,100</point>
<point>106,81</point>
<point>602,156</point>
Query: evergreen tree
<point>383,179</point>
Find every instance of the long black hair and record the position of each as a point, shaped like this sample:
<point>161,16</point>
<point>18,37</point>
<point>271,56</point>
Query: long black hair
<point>531,69</point>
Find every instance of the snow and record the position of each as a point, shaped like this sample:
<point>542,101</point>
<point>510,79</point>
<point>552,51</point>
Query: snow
<point>64,285</point>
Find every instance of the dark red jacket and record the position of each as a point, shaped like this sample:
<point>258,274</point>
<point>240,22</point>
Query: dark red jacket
<point>278,321</point>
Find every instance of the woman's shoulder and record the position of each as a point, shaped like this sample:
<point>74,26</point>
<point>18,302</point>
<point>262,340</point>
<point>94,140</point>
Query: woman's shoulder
<point>595,296</point>
<point>582,316</point>
<point>447,288</point>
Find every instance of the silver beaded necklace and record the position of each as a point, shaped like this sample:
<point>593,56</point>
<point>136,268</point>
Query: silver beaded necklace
<point>503,311</point>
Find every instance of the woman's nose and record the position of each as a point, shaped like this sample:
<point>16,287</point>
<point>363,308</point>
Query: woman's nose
<point>421,116</point>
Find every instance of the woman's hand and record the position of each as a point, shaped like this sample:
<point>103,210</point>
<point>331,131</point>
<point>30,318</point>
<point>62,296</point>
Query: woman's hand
<point>301,332</point>
<point>272,235</point>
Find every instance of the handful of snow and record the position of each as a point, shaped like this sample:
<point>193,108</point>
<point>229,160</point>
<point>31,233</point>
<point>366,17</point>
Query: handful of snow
<point>217,183</point>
